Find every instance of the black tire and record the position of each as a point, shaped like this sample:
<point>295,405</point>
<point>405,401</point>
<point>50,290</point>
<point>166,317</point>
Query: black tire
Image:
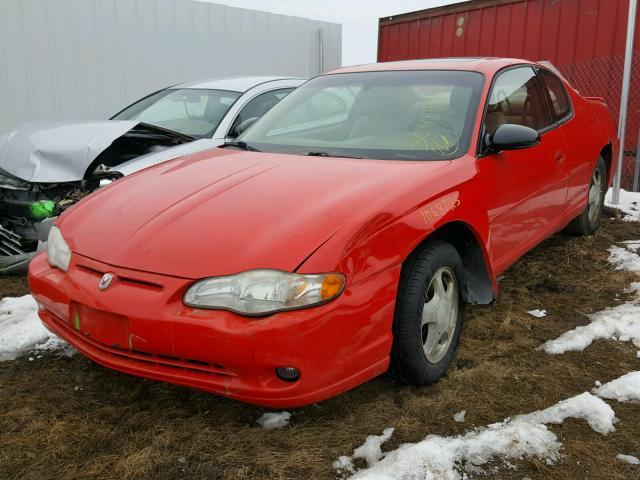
<point>584,224</point>
<point>409,362</point>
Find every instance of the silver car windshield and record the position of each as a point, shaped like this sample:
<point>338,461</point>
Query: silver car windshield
<point>193,112</point>
<point>412,115</point>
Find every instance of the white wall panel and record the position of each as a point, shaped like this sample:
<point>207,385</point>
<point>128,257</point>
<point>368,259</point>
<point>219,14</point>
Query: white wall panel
<point>87,59</point>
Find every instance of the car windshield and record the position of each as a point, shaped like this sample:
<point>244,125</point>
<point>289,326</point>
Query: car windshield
<point>407,115</point>
<point>193,112</point>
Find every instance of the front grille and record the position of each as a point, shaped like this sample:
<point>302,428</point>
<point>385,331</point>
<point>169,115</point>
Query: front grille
<point>168,361</point>
<point>10,242</point>
<point>136,282</point>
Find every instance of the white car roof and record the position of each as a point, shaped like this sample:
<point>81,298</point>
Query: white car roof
<point>236,84</point>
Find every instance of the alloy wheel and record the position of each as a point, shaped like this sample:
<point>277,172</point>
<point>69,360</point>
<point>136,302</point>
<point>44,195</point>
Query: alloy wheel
<point>595,196</point>
<point>440,314</point>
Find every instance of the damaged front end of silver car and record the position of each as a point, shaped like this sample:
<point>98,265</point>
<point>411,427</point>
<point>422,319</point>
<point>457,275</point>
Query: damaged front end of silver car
<point>27,211</point>
<point>47,167</point>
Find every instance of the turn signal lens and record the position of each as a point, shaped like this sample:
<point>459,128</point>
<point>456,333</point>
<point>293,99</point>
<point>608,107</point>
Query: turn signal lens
<point>332,284</point>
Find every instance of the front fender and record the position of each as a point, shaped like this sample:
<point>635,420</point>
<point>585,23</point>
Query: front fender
<point>385,240</point>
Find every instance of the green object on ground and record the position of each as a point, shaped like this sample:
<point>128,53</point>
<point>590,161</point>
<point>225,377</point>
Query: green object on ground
<point>42,209</point>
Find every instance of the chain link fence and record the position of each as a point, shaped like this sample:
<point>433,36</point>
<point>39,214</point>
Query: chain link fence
<point>602,77</point>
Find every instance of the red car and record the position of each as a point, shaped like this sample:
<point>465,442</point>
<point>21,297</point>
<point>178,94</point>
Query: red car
<point>340,237</point>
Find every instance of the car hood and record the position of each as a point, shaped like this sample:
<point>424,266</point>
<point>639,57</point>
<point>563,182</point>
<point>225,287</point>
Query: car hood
<point>56,152</point>
<point>224,211</point>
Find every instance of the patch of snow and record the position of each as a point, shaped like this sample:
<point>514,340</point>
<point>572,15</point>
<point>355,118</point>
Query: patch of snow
<point>628,458</point>
<point>459,417</point>
<point>21,330</point>
<point>343,464</point>
<point>621,322</point>
<point>537,313</point>
<point>632,245</point>
<point>629,204</point>
<point>625,258</point>
<point>598,383</point>
<point>438,457</point>
<point>623,389</point>
<point>370,451</point>
<point>597,414</point>
<point>273,420</point>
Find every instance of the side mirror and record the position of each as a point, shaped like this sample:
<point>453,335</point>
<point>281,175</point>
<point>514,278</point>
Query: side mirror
<point>510,136</point>
<point>242,127</point>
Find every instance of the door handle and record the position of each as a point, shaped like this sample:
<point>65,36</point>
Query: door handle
<point>558,156</point>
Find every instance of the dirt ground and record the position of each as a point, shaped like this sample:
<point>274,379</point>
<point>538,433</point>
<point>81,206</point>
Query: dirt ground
<point>69,418</point>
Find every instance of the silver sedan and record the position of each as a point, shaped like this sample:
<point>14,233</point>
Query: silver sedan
<point>45,167</point>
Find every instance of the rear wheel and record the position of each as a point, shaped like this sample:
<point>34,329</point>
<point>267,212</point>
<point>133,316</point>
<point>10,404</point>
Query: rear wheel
<point>429,313</point>
<point>589,220</point>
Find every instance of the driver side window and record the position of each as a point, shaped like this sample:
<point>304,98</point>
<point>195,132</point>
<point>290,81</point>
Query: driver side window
<point>257,107</point>
<point>517,98</point>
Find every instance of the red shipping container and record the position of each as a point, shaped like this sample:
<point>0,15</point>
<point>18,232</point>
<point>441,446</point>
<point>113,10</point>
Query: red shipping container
<point>584,39</point>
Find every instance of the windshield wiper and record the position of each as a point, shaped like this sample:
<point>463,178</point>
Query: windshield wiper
<point>240,145</point>
<point>325,154</point>
<point>151,130</point>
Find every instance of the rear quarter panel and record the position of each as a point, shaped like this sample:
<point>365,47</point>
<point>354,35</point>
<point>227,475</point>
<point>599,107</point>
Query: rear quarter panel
<point>590,130</point>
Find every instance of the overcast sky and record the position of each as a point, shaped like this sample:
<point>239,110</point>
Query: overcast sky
<point>359,19</point>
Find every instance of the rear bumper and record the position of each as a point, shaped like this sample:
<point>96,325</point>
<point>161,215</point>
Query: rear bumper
<point>140,326</point>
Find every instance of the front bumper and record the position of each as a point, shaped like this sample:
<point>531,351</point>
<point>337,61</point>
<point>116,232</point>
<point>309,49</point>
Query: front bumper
<point>15,264</point>
<point>140,326</point>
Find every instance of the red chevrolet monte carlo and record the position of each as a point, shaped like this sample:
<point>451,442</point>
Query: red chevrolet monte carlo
<point>340,237</point>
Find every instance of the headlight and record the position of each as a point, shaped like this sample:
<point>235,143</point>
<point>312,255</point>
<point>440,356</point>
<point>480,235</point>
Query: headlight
<point>58,250</point>
<point>261,292</point>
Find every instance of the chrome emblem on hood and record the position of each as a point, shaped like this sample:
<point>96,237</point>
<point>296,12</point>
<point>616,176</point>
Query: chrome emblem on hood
<point>105,281</point>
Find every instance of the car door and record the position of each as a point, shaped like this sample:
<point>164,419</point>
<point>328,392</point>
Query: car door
<point>527,187</point>
<point>577,170</point>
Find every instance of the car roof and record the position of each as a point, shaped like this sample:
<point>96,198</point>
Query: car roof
<point>481,64</point>
<point>236,84</point>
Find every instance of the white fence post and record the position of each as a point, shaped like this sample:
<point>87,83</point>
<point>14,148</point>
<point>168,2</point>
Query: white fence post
<point>624,97</point>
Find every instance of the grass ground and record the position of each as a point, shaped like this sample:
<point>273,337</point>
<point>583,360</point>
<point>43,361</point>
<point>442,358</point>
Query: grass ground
<point>69,418</point>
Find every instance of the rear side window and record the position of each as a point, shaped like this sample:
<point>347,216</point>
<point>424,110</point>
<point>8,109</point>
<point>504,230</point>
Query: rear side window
<point>517,98</point>
<point>557,94</point>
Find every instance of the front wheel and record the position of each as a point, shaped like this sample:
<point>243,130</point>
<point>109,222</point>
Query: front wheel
<point>589,220</point>
<point>429,313</point>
